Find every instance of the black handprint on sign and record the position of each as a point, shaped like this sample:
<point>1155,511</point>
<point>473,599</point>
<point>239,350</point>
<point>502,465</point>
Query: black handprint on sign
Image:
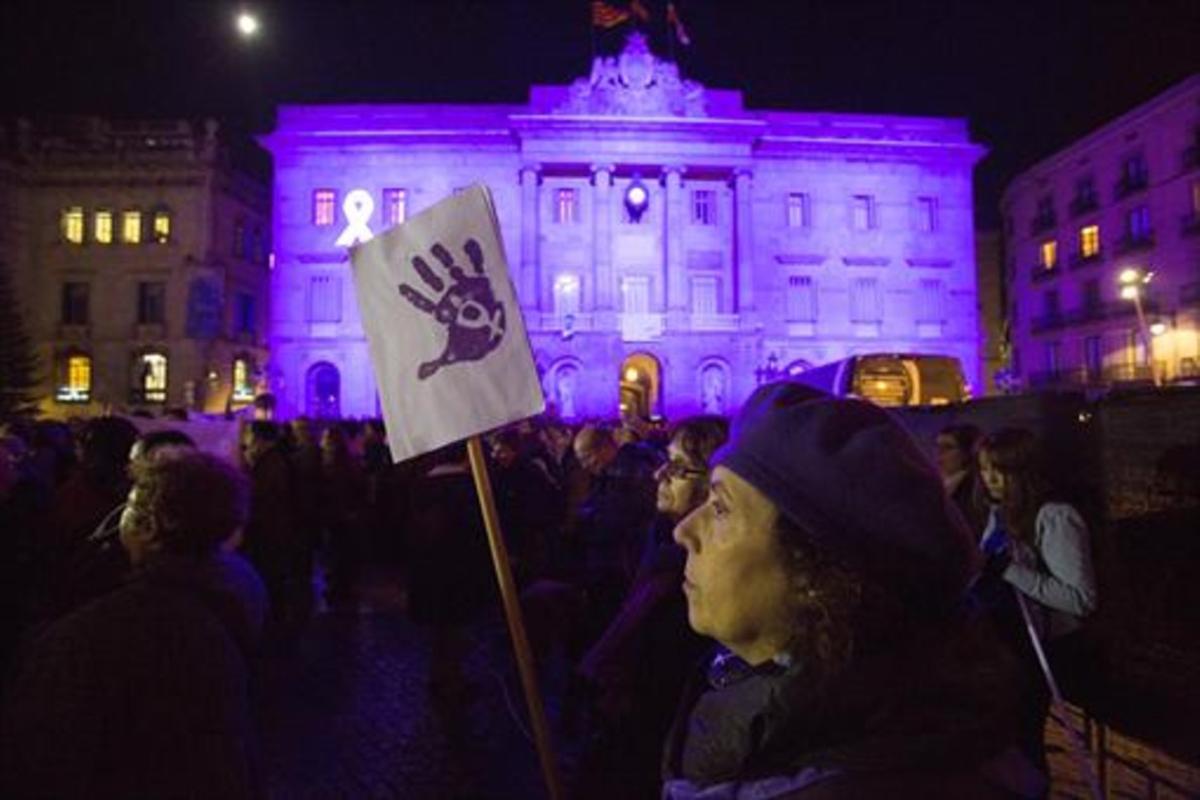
<point>473,317</point>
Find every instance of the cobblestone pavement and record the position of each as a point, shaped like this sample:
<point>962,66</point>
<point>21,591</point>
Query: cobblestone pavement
<point>345,714</point>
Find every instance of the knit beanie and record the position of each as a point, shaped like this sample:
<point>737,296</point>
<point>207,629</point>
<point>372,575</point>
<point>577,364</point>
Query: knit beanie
<point>849,474</point>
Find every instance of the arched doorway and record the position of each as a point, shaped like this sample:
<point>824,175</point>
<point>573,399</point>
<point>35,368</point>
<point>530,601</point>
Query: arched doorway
<point>324,391</point>
<point>641,386</point>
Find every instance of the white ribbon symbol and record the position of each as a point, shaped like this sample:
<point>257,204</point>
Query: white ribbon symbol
<point>358,208</point>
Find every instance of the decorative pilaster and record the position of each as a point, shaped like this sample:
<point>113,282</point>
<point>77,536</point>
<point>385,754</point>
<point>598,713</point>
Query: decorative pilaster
<point>674,278</point>
<point>743,185</point>
<point>530,283</point>
<point>601,290</point>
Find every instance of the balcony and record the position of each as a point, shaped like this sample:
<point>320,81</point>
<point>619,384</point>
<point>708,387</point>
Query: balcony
<point>1079,260</point>
<point>1189,224</point>
<point>641,327</point>
<point>1132,244</point>
<point>1130,184</point>
<point>1042,223</point>
<point>1039,272</point>
<point>1083,203</point>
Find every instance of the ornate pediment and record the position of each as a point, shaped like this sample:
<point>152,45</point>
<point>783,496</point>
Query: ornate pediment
<point>634,84</point>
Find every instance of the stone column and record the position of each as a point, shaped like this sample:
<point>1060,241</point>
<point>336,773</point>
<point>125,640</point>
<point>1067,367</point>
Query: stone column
<point>530,283</point>
<point>601,290</point>
<point>674,279</point>
<point>743,185</point>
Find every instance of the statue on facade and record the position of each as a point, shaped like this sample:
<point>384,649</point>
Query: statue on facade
<point>635,83</point>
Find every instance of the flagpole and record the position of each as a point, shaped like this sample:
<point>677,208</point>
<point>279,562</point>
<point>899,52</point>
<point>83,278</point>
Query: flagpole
<point>512,612</point>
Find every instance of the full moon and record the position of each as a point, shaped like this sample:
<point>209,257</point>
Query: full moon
<point>247,24</point>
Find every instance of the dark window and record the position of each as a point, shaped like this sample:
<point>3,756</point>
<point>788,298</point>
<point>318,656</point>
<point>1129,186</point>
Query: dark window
<point>245,313</point>
<point>239,239</point>
<point>152,303</point>
<point>1091,294</point>
<point>75,298</point>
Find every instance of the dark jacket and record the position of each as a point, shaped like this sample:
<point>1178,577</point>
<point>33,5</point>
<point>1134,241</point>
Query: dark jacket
<point>932,721</point>
<point>141,693</point>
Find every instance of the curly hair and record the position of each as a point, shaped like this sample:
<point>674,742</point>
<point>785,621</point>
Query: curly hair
<point>193,500</point>
<point>699,437</point>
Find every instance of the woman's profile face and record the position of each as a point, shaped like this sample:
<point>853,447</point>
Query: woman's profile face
<point>994,481</point>
<point>737,586</point>
<point>682,483</point>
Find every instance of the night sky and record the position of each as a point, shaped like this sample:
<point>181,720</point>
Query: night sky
<point>1030,76</point>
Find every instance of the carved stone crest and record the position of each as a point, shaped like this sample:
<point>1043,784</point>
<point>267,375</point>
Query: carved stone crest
<point>635,84</point>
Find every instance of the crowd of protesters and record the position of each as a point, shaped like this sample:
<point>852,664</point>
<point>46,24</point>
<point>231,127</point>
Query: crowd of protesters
<point>797,607</point>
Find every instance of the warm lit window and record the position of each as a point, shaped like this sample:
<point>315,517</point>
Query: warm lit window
<point>927,213</point>
<point>1048,254</point>
<point>76,385</point>
<point>704,207</point>
<point>102,227</point>
<point>864,215</point>
<point>323,206</point>
<point>152,377</point>
<point>705,295</point>
<point>801,299</point>
<point>152,303</point>
<point>131,227</point>
<point>799,210</point>
<point>1089,241</point>
<point>566,206</point>
<point>72,224</point>
<point>395,206</point>
<point>566,295</point>
<point>162,226</point>
<point>325,298</point>
<point>243,386</point>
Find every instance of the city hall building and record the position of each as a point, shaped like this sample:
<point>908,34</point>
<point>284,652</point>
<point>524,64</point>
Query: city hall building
<point>670,247</point>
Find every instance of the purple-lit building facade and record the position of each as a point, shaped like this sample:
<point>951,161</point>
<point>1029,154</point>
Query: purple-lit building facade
<point>769,240</point>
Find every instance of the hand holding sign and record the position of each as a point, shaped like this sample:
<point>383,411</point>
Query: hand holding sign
<point>469,309</point>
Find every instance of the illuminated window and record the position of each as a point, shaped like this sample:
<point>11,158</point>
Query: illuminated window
<point>799,210</point>
<point>76,386</point>
<point>102,227</point>
<point>566,206</point>
<point>162,226</point>
<point>243,384</point>
<point>152,303</point>
<point>864,216</point>
<point>395,206</point>
<point>706,297</point>
<point>930,308</point>
<point>801,299</point>
<point>325,298</point>
<point>566,295</point>
<point>1089,241</point>
<point>75,303</point>
<point>865,302</point>
<point>704,207</point>
<point>635,295</point>
<point>152,377</point>
<point>131,227</point>
<point>927,214</point>
<point>72,224</point>
<point>323,206</point>
<point>1048,254</point>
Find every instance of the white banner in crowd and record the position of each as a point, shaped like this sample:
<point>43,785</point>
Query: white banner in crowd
<point>446,335</point>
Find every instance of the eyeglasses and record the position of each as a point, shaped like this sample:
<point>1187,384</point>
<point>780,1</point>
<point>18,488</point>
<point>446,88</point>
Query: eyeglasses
<point>673,469</point>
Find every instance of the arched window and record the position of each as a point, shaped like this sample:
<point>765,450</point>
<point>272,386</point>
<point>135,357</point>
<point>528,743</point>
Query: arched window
<point>324,388</point>
<point>75,378</point>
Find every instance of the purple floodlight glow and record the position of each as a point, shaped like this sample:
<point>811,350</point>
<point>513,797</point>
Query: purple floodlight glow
<point>653,228</point>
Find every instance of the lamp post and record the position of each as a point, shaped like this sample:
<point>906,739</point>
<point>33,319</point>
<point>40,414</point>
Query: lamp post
<point>1133,282</point>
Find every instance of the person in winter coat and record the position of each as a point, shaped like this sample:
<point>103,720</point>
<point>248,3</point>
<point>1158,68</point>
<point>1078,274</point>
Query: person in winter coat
<point>144,692</point>
<point>1041,548</point>
<point>828,563</point>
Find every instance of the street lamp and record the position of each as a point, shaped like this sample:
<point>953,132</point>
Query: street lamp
<point>1133,281</point>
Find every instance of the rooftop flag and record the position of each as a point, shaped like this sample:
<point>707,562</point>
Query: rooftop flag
<point>446,335</point>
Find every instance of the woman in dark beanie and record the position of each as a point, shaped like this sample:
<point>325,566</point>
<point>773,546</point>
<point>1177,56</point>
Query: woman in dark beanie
<point>829,565</point>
